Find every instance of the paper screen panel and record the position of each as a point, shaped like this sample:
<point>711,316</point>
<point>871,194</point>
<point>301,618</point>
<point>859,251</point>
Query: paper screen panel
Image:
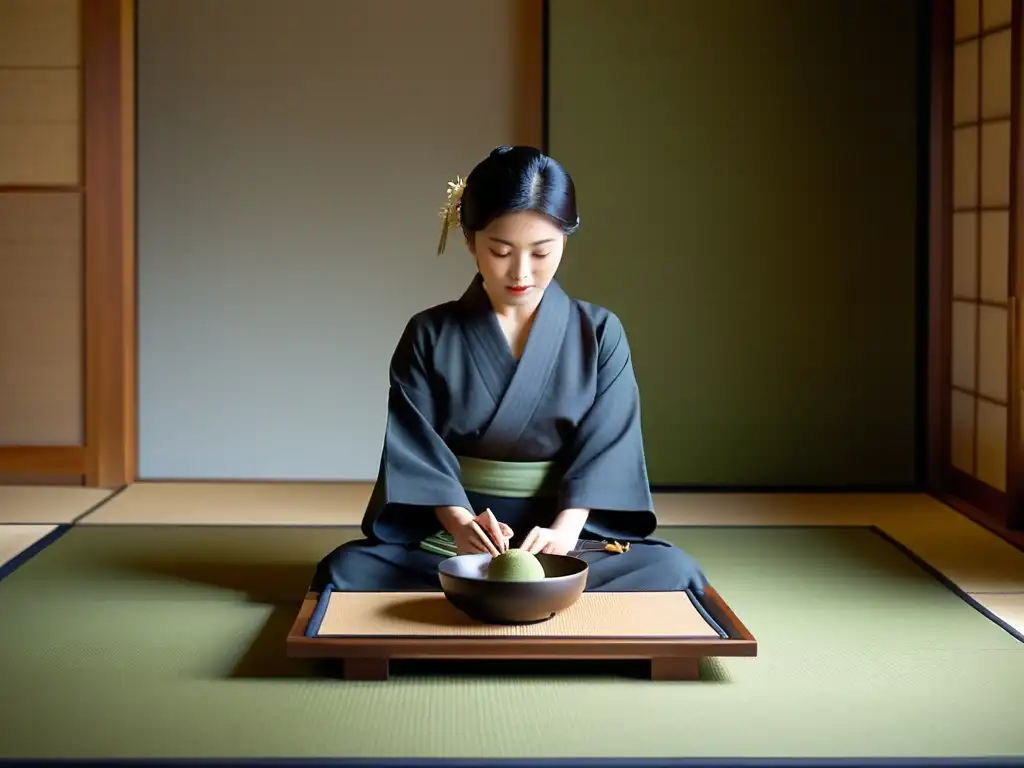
<point>994,246</point>
<point>991,444</point>
<point>626,614</point>
<point>967,18</point>
<point>980,241</point>
<point>995,13</point>
<point>41,319</point>
<point>965,255</point>
<point>965,323</point>
<point>965,82</point>
<point>965,167</point>
<point>39,33</point>
<point>996,75</point>
<point>992,353</point>
<point>995,164</point>
<point>961,433</point>
<point>39,93</point>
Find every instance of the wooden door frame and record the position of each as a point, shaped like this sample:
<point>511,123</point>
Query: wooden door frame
<point>939,276</point>
<point>1015,458</point>
<point>999,512</point>
<point>106,456</point>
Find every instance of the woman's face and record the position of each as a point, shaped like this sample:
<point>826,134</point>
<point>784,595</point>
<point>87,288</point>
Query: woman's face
<point>517,255</point>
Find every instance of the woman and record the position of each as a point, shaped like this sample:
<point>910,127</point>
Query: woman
<point>513,413</point>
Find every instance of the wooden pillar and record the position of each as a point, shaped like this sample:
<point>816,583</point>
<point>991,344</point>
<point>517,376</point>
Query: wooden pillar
<point>109,107</point>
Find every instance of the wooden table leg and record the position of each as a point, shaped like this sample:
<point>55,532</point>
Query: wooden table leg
<point>365,669</point>
<point>675,669</point>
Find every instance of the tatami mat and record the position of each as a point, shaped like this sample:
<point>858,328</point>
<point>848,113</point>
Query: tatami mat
<point>49,504</point>
<point>168,643</point>
<point>235,504</point>
<point>969,555</point>
<point>792,508</point>
<point>343,504</point>
<point>15,539</point>
<point>1008,607</point>
<point>974,559</point>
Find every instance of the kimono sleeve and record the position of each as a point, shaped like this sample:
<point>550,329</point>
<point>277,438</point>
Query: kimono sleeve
<point>606,469</point>
<point>417,472</point>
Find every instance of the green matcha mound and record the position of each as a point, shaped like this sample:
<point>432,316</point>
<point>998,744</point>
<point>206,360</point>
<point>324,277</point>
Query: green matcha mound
<point>515,565</point>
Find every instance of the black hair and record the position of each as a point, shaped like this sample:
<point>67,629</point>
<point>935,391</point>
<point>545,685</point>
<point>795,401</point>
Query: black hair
<point>513,179</point>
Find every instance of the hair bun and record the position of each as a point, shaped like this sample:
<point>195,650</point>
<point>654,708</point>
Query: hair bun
<point>501,150</point>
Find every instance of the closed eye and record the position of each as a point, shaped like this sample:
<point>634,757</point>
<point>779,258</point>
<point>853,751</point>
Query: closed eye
<point>505,255</point>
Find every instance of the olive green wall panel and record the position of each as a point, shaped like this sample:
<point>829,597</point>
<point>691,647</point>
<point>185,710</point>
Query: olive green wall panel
<point>747,177</point>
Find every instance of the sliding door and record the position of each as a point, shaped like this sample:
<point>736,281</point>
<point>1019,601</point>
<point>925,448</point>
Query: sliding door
<point>66,280</point>
<point>982,388</point>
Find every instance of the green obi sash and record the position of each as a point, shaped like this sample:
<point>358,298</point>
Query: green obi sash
<point>508,479</point>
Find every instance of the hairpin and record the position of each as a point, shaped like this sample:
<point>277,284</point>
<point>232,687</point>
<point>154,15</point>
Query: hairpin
<point>451,212</point>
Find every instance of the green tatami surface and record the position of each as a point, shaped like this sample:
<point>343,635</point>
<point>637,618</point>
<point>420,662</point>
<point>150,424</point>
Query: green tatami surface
<point>169,642</point>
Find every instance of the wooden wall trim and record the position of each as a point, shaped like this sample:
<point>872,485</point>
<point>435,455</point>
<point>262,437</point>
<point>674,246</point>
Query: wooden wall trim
<point>55,460</point>
<point>1015,451</point>
<point>108,101</point>
<point>939,206</point>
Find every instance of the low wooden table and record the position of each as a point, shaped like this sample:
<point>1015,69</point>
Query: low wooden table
<point>366,630</point>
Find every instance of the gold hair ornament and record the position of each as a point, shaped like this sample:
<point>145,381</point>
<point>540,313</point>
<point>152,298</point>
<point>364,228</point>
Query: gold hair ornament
<point>451,212</point>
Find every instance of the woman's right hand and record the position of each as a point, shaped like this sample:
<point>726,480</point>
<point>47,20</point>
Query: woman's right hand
<point>475,534</point>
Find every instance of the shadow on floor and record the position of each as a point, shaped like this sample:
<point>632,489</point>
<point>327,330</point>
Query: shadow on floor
<point>267,658</point>
<point>264,582</point>
<point>282,585</point>
<point>710,670</point>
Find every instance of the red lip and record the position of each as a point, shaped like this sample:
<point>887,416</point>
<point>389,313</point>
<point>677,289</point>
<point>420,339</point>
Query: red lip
<point>518,290</point>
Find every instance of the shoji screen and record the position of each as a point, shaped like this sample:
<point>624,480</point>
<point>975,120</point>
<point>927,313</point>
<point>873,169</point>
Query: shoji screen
<point>982,260</point>
<point>41,265</point>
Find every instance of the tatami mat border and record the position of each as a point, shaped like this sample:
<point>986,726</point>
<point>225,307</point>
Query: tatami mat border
<point>948,583</point>
<point>671,762</point>
<point>6,569</point>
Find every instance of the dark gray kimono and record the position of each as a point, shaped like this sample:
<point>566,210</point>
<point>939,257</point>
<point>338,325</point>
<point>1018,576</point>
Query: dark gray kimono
<point>572,398</point>
<point>457,390</point>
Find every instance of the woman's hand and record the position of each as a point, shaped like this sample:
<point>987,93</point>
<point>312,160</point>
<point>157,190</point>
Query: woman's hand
<point>475,534</point>
<point>561,537</point>
<point>550,541</point>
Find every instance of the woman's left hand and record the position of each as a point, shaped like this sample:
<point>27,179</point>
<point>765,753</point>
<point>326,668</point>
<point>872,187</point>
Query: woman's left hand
<point>551,541</point>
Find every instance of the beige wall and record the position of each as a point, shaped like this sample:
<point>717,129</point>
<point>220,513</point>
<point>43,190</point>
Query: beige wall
<point>291,165</point>
<point>41,324</point>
